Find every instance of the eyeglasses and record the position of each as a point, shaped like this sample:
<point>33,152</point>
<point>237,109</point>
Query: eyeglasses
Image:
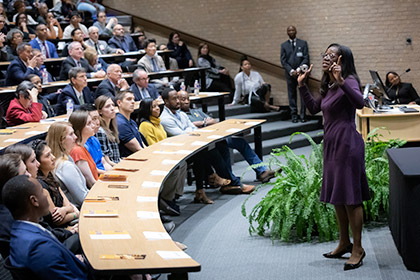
<point>144,79</point>
<point>2,21</point>
<point>329,55</point>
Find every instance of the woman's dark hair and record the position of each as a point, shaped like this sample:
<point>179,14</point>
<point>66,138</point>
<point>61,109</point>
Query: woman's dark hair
<point>145,109</point>
<point>22,89</point>
<point>18,18</point>
<point>347,67</point>
<point>387,82</point>
<point>200,46</point>
<point>25,151</point>
<point>172,36</point>
<point>243,58</point>
<point>78,120</point>
<point>9,168</point>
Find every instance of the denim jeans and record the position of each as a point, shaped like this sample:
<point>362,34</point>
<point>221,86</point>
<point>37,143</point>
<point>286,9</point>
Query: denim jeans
<point>240,144</point>
<point>87,7</point>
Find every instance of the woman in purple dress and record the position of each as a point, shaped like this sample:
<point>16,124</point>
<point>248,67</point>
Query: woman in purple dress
<point>344,181</point>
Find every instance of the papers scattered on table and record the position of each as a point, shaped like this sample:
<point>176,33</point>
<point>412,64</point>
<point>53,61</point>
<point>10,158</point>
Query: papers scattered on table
<point>149,184</point>
<point>123,257</point>
<point>13,140</point>
<point>172,144</point>
<point>100,213</point>
<point>158,173</point>
<point>6,131</point>
<point>148,215</point>
<point>184,152</point>
<point>102,199</point>
<point>152,235</point>
<point>199,143</point>
<point>165,152</point>
<point>172,255</point>
<point>207,130</point>
<point>214,136</point>
<point>233,130</point>
<point>146,198</point>
<point>252,123</point>
<point>169,162</point>
<point>34,132</point>
<point>109,234</point>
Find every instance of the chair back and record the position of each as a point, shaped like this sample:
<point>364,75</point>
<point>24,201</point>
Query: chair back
<point>19,273</point>
<point>4,248</point>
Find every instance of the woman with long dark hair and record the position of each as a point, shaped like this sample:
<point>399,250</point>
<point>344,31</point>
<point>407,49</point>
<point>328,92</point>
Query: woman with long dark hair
<point>180,51</point>
<point>399,92</point>
<point>344,182</point>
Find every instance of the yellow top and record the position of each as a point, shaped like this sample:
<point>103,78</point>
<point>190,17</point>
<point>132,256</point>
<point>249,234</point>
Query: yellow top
<point>153,130</point>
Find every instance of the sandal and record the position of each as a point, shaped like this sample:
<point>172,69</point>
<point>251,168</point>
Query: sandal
<point>201,197</point>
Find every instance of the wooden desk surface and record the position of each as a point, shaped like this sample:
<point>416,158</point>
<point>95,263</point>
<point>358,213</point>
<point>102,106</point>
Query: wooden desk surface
<point>138,213</point>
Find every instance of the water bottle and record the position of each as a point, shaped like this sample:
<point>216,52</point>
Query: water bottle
<point>196,87</point>
<point>183,86</point>
<point>69,107</point>
<point>44,77</point>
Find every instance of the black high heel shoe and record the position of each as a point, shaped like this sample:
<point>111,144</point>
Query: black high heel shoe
<point>338,255</point>
<point>349,266</point>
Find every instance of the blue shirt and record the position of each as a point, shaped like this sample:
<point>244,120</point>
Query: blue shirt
<point>94,148</point>
<point>127,130</point>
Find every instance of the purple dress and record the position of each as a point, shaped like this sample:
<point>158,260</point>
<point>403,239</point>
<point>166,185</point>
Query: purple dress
<point>344,175</point>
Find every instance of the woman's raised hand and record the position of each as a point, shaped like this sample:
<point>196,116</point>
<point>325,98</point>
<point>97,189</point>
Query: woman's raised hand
<point>303,76</point>
<point>336,71</point>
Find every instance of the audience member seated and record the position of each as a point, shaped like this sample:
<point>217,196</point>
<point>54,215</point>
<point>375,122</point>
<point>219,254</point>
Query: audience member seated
<point>114,84</point>
<point>49,109</point>
<point>104,28</point>
<point>83,129</point>
<point>22,66</point>
<point>77,91</point>
<point>399,92</point>
<point>108,130</point>
<point>151,128</point>
<point>27,155</point>
<point>131,140</point>
<point>141,87</point>
<point>172,63</point>
<point>47,48</point>
<point>3,27</point>
<point>121,41</point>
<point>217,76</point>
<point>75,59</point>
<point>141,39</point>
<point>100,46</point>
<point>42,13</point>
<point>67,9</point>
<point>3,51</point>
<point>76,36</point>
<point>90,6</point>
<point>180,51</point>
<point>201,119</point>
<point>40,68</point>
<point>92,144</point>
<point>25,107</point>
<point>3,13</point>
<point>20,8</point>
<point>61,139</point>
<point>32,246</point>
<point>14,38</point>
<point>75,22</point>
<point>22,25</point>
<point>177,122</point>
<point>94,60</point>
<point>54,28</point>
<point>250,88</point>
<point>153,63</point>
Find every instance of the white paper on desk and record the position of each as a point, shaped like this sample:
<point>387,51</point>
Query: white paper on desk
<point>199,143</point>
<point>171,255</point>
<point>165,152</point>
<point>146,198</point>
<point>211,93</point>
<point>158,173</point>
<point>47,121</point>
<point>149,184</point>
<point>148,215</point>
<point>169,161</point>
<point>172,144</point>
<point>233,130</point>
<point>13,140</point>
<point>152,235</point>
<point>34,132</point>
<point>214,136</point>
<point>206,130</point>
<point>183,152</point>
<point>110,236</point>
<point>252,123</point>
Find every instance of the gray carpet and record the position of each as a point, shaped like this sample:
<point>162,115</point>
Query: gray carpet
<point>217,237</point>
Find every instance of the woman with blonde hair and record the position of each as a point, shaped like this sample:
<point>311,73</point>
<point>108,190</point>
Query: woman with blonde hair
<point>61,139</point>
<point>108,132</point>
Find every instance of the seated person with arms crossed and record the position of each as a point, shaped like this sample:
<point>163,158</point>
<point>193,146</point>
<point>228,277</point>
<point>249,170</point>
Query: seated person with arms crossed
<point>32,246</point>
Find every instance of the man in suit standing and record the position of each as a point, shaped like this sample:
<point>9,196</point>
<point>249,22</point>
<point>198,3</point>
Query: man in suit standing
<point>122,41</point>
<point>75,59</point>
<point>114,84</point>
<point>294,56</point>
<point>77,91</point>
<point>141,87</point>
<point>22,66</point>
<point>32,246</point>
<point>47,48</point>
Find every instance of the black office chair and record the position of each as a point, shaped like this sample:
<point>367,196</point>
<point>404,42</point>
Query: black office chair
<point>19,273</point>
<point>4,248</point>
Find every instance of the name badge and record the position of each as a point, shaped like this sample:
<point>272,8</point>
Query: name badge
<point>299,54</point>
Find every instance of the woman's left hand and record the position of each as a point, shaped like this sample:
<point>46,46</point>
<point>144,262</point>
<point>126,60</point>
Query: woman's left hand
<point>335,69</point>
<point>190,63</point>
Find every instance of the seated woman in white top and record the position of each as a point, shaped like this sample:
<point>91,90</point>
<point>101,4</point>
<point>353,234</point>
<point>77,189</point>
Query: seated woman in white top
<point>61,139</point>
<point>251,88</point>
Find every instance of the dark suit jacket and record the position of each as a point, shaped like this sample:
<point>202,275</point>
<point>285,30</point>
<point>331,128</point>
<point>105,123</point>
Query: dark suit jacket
<point>68,93</point>
<point>106,88</point>
<point>17,72</point>
<point>35,249</point>
<point>292,59</point>
<point>69,63</point>
<point>52,51</point>
<point>117,44</point>
<point>151,89</point>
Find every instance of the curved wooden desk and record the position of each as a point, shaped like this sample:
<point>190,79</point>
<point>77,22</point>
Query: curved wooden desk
<point>137,230</point>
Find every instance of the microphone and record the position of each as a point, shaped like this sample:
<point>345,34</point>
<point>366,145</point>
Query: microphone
<point>406,71</point>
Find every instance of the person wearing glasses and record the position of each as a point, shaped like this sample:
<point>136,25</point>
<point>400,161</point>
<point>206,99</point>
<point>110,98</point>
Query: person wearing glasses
<point>294,56</point>
<point>141,87</point>
<point>344,181</point>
